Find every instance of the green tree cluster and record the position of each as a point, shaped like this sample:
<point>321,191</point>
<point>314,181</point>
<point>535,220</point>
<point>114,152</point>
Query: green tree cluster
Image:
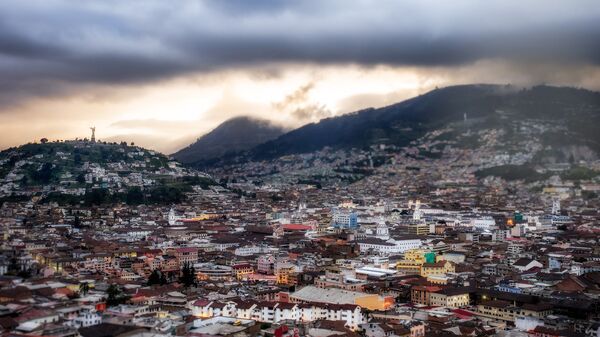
<point>188,275</point>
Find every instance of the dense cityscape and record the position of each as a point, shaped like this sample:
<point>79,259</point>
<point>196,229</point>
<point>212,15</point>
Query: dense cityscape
<point>428,239</point>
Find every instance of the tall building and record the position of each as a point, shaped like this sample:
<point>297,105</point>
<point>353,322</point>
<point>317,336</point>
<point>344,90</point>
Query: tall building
<point>286,274</point>
<point>419,228</point>
<point>345,219</point>
<point>266,264</point>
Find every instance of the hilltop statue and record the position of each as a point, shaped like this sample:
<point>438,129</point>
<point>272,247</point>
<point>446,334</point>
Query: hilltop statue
<point>93,139</point>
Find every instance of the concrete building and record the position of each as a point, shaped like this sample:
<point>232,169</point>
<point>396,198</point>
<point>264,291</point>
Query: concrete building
<point>312,294</point>
<point>450,297</point>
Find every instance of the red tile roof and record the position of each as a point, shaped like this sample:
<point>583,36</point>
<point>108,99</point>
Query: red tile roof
<point>296,227</point>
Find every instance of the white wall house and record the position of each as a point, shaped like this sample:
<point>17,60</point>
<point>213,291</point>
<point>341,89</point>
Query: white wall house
<point>274,312</point>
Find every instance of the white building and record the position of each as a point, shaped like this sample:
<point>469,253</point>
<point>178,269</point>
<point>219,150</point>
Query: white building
<point>515,248</point>
<point>483,223</point>
<point>390,246</point>
<point>86,318</point>
<point>382,232</point>
<point>253,250</point>
<point>274,312</point>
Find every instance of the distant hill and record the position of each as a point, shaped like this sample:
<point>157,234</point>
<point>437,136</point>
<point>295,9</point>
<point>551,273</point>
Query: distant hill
<point>233,135</point>
<point>93,173</point>
<point>576,109</point>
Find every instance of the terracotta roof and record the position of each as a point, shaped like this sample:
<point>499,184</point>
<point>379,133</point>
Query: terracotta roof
<point>296,227</point>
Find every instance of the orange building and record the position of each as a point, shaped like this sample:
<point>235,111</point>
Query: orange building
<point>242,270</point>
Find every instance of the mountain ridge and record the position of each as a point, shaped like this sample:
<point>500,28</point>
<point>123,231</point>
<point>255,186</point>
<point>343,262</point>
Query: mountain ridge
<point>234,135</point>
<point>405,121</point>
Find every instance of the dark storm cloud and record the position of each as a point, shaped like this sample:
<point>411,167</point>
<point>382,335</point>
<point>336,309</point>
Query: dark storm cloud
<point>299,106</point>
<point>300,96</point>
<point>241,7</point>
<point>55,45</point>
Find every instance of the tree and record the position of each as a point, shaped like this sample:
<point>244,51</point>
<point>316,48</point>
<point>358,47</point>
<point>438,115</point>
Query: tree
<point>155,277</point>
<point>589,195</point>
<point>44,140</point>
<point>81,178</point>
<point>134,196</point>
<point>84,288</point>
<point>188,275</point>
<point>13,266</point>
<point>113,293</point>
<point>44,174</point>
<point>115,296</point>
<point>77,222</point>
<point>24,273</point>
<point>97,196</point>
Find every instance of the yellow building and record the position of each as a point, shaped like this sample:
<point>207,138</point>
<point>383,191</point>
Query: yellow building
<point>374,302</point>
<point>438,268</point>
<point>205,216</point>
<point>418,229</point>
<point>56,262</point>
<point>438,279</point>
<point>450,297</point>
<point>417,255</point>
<point>125,252</point>
<point>286,275</point>
<point>242,270</point>
<point>500,310</point>
<point>505,311</point>
<point>408,267</point>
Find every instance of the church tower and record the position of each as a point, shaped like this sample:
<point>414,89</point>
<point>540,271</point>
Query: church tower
<point>171,218</point>
<point>556,206</point>
<point>417,212</point>
<point>382,231</point>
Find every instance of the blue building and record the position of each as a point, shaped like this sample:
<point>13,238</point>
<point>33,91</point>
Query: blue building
<point>345,220</point>
<point>508,288</point>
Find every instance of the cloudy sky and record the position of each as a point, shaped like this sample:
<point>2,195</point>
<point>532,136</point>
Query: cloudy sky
<point>162,73</point>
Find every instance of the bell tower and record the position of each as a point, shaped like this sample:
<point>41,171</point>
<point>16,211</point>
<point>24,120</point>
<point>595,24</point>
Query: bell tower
<point>556,206</point>
<point>171,218</point>
<point>382,231</point>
